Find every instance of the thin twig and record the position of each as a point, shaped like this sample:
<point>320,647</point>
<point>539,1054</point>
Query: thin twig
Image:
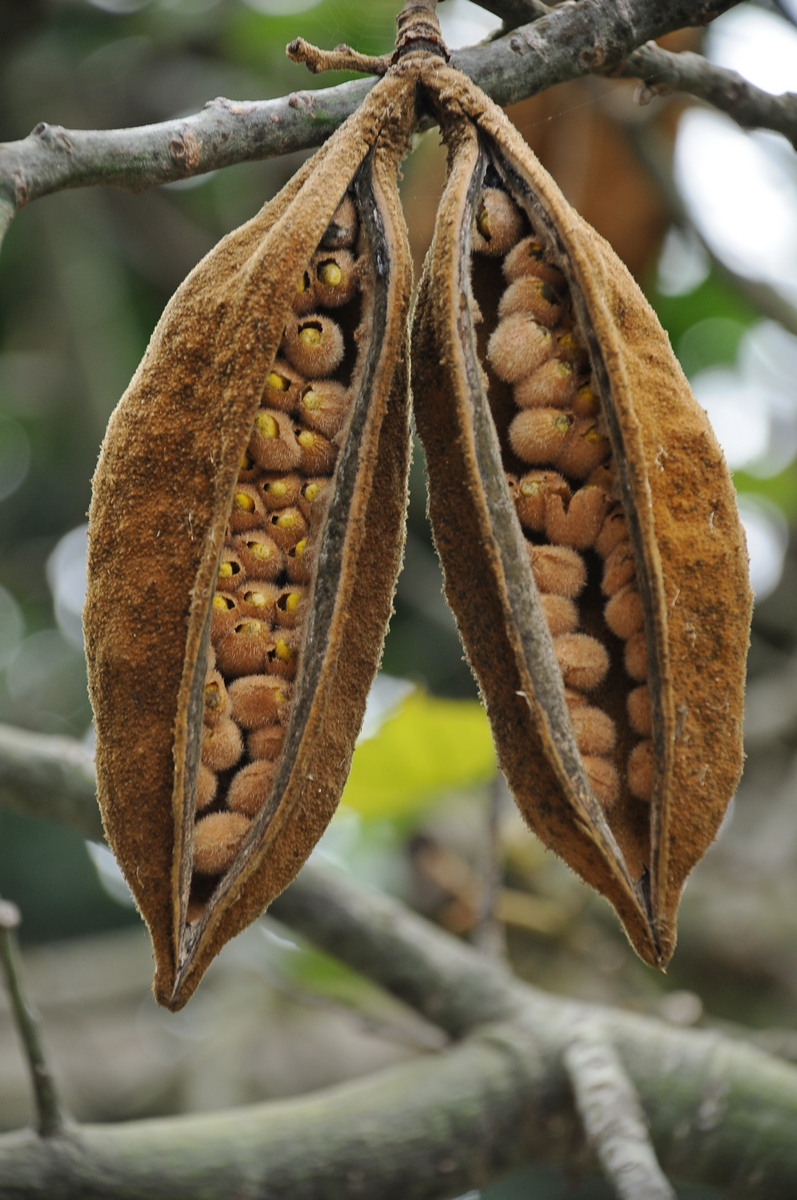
<point>50,1117</point>
<point>612,1117</point>
<point>663,72</point>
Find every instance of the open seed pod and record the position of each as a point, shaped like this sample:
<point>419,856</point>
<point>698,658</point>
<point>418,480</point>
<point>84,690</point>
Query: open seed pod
<point>246,531</point>
<point>586,522</point>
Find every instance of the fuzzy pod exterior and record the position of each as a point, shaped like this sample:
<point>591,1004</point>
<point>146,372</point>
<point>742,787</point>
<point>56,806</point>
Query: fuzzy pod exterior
<point>162,497</point>
<point>679,508</point>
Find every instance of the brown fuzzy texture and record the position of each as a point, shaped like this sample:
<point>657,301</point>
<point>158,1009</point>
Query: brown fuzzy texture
<point>162,495</point>
<point>689,545</point>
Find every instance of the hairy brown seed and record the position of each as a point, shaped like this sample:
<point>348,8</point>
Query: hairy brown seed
<point>336,281</point>
<point>223,614</point>
<point>248,511</point>
<point>551,386</point>
<point>531,297</point>
<point>602,778</point>
<point>245,650</point>
<point>605,477</point>
<point>568,347</point>
<point>299,562</point>
<point>624,613</point>
<point>640,770</point>
<point>586,402</point>
<point>323,406</point>
<point>312,497</point>
<point>217,704</point>
<point>290,608</point>
<point>613,532</point>
<point>538,435</point>
<point>287,527</point>
<point>583,450</point>
<point>280,491</point>
<point>497,225</point>
<point>636,657</point>
<point>250,787</point>
<point>560,613</point>
<point>318,454</point>
<point>207,784</point>
<point>530,493</point>
<point>283,657</point>
<point>582,659</point>
<point>222,745</point>
<point>265,743</point>
<point>517,347</point>
<point>273,444</point>
<point>619,569</point>
<point>314,345</point>
<point>217,839</point>
<point>258,700</point>
<point>558,569</point>
<point>262,558</point>
<point>594,729</point>
<point>231,572</point>
<point>527,258</point>
<point>282,387</point>
<point>639,711</point>
<point>578,523</point>
<point>257,600</point>
<point>248,470</point>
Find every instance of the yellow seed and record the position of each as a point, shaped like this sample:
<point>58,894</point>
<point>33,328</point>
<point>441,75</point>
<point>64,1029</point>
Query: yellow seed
<point>277,383</point>
<point>246,463</point>
<point>225,571</point>
<point>256,599</point>
<point>299,548</point>
<point>311,401</point>
<point>277,488</point>
<point>292,602</point>
<point>261,550</point>
<point>310,336</point>
<point>330,274</point>
<point>310,492</point>
<point>306,439</point>
<point>283,651</point>
<point>243,502</point>
<point>266,426</point>
<point>220,602</point>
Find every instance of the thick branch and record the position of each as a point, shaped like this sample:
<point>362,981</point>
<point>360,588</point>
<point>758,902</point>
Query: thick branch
<point>749,106</point>
<point>574,39</point>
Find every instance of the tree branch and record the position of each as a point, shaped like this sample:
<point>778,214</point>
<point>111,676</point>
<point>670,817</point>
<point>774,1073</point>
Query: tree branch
<point>720,1111</point>
<point>663,73</point>
<point>574,39</point>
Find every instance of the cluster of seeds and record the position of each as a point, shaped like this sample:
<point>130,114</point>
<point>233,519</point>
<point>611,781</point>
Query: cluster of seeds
<point>562,477</point>
<point>267,561</point>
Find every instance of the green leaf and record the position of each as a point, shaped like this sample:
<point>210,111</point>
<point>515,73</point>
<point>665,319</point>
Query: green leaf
<point>429,747</point>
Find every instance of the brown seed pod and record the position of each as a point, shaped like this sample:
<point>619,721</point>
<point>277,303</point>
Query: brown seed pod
<point>632,818</point>
<point>164,508</point>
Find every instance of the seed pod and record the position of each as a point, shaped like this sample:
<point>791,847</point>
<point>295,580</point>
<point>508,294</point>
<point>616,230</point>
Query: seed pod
<point>164,508</point>
<point>631,817</point>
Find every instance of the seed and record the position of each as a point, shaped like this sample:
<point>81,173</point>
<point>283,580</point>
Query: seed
<point>272,444</point>
<point>250,788</point>
<point>266,743</point>
<point>336,279</point>
<point>223,615</point>
<point>517,347</point>
<point>289,609</point>
<point>636,657</point>
<point>498,223</point>
<point>206,787</point>
<point>560,613</point>
<point>602,779</point>
<point>551,386</point>
<point>257,601</point>
<point>558,570</point>
<point>260,555</point>
<point>538,435</point>
<point>614,531</point>
<point>584,449</point>
<point>578,523</point>
<point>256,700</point>
<point>317,452</point>
<point>282,387</point>
<point>311,497</point>
<point>283,658</point>
<point>245,649</point>
<point>247,509</point>
<point>640,770</point>
<point>619,569</point>
<point>586,403</point>
<point>323,406</point>
<point>217,705</point>
<point>298,562</point>
<point>304,299</point>
<point>532,297</point>
<point>526,258</point>
<point>583,660</point>
<point>569,347</point>
<point>639,711</point>
<point>314,345</point>
<point>287,527</point>
<point>594,730</point>
<point>624,613</point>
<point>530,493</point>
<point>222,745</point>
<point>231,573</point>
<point>217,839</point>
<point>248,469</point>
<point>280,491</point>
<point>342,229</point>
